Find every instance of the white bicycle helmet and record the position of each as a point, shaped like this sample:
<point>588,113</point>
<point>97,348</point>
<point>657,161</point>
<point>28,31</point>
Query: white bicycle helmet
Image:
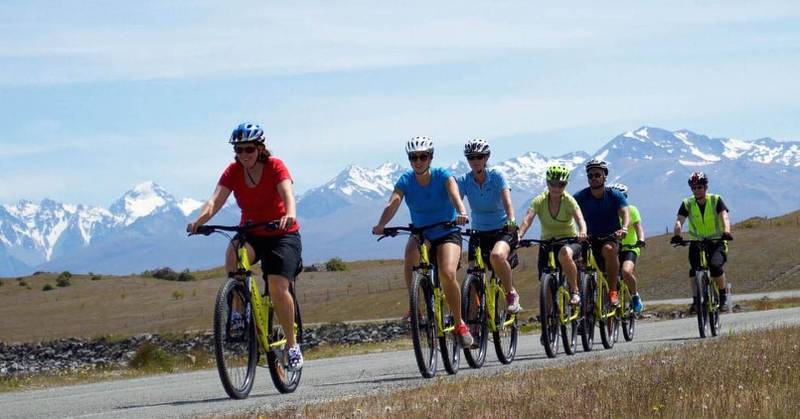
<point>477,146</point>
<point>597,164</point>
<point>419,145</point>
<point>620,187</point>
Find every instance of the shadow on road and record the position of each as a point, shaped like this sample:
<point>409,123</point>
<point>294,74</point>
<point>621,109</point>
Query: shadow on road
<point>188,402</point>
<point>373,381</point>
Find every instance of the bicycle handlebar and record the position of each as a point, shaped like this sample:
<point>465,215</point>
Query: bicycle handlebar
<point>394,231</point>
<point>702,242</point>
<point>208,229</point>
<point>548,242</point>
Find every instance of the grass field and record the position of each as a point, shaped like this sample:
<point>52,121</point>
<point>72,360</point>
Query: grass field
<point>748,375</point>
<point>762,258</point>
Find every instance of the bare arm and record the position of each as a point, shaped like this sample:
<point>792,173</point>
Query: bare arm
<point>679,225</point>
<point>526,222</point>
<point>286,191</point>
<point>507,205</point>
<point>726,222</point>
<point>395,199</point>
<point>210,208</point>
<point>580,222</point>
<point>625,217</point>
<point>455,198</point>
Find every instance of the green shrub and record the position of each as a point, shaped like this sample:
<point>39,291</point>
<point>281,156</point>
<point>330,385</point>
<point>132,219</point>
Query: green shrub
<point>1,283</point>
<point>47,287</point>
<point>335,264</point>
<point>63,279</point>
<point>96,277</point>
<point>21,282</point>
<point>178,294</point>
<point>151,357</point>
<point>185,275</point>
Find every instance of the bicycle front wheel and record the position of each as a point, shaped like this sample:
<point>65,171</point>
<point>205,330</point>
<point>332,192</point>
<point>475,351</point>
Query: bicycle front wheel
<point>700,303</point>
<point>628,316</point>
<point>473,307</point>
<point>423,324</point>
<point>284,379</point>
<point>713,308</point>
<point>235,345</point>
<point>448,344</point>
<point>505,326</point>
<point>548,315</point>
<point>607,322</point>
<point>569,331</point>
<point>588,298</point>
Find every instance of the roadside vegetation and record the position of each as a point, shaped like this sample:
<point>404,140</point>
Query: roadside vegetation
<point>747,375</point>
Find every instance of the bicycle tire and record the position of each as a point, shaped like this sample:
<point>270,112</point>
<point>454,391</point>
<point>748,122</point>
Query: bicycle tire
<point>548,317</point>
<point>423,325</point>
<point>505,337</point>
<point>236,353</point>
<point>473,306</point>
<point>449,346</point>
<point>608,325</point>
<point>586,332</point>
<point>569,331</point>
<point>628,316</point>
<point>714,309</point>
<point>285,380</point>
<point>700,303</point>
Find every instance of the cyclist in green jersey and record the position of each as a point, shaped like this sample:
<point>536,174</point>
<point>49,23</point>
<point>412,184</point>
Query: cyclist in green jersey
<point>559,214</point>
<point>629,250</point>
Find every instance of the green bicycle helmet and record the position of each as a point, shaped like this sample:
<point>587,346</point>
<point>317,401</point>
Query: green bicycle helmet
<point>557,174</point>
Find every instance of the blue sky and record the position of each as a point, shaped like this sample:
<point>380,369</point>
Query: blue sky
<point>96,96</point>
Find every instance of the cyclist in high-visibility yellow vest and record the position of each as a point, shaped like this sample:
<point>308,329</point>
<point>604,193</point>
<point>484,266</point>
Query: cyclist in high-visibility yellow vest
<point>708,219</point>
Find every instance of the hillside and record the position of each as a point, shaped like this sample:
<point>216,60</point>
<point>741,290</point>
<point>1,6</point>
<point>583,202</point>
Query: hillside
<point>762,258</point>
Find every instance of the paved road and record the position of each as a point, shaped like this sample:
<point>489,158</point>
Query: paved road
<point>736,297</point>
<point>199,393</point>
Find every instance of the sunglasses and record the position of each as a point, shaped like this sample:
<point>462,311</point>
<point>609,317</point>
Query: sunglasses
<point>595,175</point>
<point>418,157</point>
<point>557,184</point>
<point>698,187</point>
<point>247,149</point>
<point>475,157</point>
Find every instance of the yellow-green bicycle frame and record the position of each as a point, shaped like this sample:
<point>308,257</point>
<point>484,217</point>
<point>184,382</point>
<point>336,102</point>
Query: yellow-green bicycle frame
<point>562,295</point>
<point>602,286</point>
<point>438,294</point>
<point>492,289</point>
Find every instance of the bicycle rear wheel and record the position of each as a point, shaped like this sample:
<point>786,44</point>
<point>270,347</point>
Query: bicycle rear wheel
<point>504,337</point>
<point>701,303</point>
<point>284,379</point>
<point>714,308</point>
<point>235,345</point>
<point>609,325</point>
<point>569,331</point>
<point>473,306</point>
<point>588,298</point>
<point>423,324</point>
<point>548,315</point>
<point>628,316</point>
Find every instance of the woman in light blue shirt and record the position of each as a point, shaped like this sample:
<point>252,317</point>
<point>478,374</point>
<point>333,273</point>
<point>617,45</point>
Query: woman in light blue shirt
<point>492,215</point>
<point>432,197</point>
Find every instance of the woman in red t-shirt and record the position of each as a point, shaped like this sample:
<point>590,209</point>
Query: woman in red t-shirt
<point>263,190</point>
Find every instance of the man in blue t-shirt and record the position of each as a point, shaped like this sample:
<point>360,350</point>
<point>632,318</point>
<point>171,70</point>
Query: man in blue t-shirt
<point>492,216</point>
<point>432,197</point>
<point>606,213</point>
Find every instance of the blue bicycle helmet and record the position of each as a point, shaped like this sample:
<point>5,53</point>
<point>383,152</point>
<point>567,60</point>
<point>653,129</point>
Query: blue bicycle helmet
<point>247,132</point>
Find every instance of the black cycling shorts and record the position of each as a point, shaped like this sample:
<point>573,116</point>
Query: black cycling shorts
<point>487,239</point>
<point>627,255</point>
<point>451,237</point>
<point>597,249</point>
<point>716,256</point>
<point>279,255</point>
<point>543,262</point>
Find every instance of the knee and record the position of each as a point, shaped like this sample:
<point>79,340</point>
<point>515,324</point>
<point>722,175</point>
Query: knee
<point>627,273</point>
<point>498,257</point>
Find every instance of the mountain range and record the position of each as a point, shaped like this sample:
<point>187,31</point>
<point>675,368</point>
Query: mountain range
<point>144,228</point>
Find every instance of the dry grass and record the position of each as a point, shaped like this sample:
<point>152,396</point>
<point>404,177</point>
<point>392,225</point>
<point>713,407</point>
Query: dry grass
<point>748,375</point>
<point>762,259</point>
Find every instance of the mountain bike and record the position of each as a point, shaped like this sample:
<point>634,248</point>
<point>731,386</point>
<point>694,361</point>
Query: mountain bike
<point>432,321</point>
<point>705,298</point>
<point>627,314</point>
<point>597,302</point>
<point>483,306</point>
<point>245,324</point>
<point>556,314</point>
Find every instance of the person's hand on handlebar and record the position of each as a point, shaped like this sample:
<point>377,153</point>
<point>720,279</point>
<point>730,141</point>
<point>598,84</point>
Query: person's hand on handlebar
<point>287,221</point>
<point>727,236</point>
<point>378,230</point>
<point>640,243</point>
<point>191,228</point>
<point>676,239</point>
<point>462,219</point>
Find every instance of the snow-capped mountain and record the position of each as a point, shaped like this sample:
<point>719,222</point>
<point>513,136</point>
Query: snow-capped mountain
<point>144,228</point>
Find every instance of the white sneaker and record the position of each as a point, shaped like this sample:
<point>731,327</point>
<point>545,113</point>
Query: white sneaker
<point>512,300</point>
<point>295,358</point>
